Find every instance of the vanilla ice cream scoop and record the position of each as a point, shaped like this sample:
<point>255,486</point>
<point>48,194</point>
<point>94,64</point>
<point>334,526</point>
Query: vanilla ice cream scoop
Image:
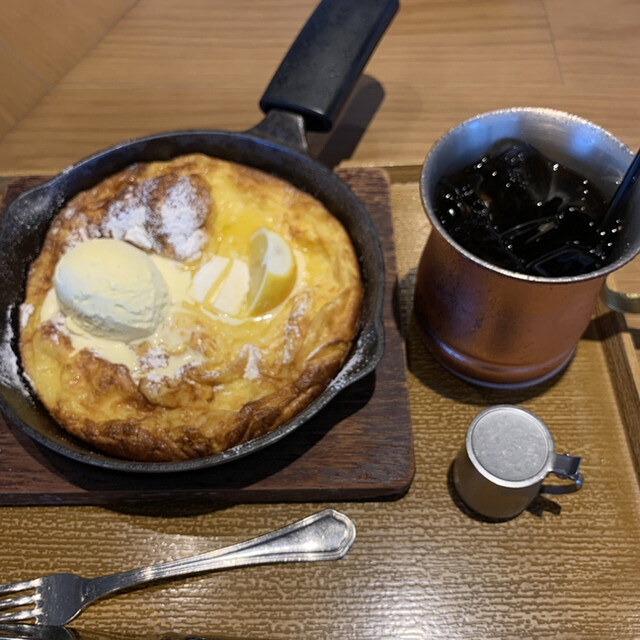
<point>111,289</point>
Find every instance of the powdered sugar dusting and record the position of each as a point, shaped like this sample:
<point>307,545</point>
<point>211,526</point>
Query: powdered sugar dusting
<point>155,378</point>
<point>292,333</point>
<point>156,358</point>
<point>80,233</point>
<point>26,309</point>
<point>180,219</point>
<point>59,324</point>
<point>9,369</point>
<point>164,218</point>
<point>354,364</point>
<point>128,215</point>
<point>252,368</point>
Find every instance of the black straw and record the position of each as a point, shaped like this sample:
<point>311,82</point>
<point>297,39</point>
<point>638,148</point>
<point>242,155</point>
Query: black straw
<point>623,192</point>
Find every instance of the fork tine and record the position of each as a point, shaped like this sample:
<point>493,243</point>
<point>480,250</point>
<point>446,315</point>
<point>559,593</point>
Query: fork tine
<point>27,601</point>
<point>14,603</point>
<point>17,616</point>
<point>12,587</point>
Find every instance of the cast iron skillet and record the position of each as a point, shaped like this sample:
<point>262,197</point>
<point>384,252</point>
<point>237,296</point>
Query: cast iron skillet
<point>307,91</point>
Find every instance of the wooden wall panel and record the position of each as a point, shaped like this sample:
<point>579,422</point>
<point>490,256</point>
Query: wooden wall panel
<point>596,43</point>
<point>50,36</point>
<point>40,40</point>
<point>196,63</point>
<point>20,89</point>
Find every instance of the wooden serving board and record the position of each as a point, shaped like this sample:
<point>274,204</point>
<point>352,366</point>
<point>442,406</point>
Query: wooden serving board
<point>359,447</point>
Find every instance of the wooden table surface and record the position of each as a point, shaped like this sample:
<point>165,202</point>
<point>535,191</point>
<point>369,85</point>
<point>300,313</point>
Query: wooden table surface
<point>79,75</point>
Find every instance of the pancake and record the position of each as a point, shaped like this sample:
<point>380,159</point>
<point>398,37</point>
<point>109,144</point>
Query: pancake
<point>230,360</point>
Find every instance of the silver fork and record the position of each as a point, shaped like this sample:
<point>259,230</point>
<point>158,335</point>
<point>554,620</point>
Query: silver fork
<point>58,598</point>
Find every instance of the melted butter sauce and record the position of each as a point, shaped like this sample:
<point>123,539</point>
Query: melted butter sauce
<point>228,228</point>
<point>168,345</point>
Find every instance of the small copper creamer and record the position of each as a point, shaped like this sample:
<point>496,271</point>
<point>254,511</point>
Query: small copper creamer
<point>493,326</point>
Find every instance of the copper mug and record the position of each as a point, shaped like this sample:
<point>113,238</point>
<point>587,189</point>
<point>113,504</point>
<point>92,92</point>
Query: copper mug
<point>496,327</point>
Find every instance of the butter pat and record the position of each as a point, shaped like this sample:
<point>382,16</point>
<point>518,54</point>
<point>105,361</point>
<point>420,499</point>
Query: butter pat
<point>111,289</point>
<point>234,289</point>
<point>221,284</point>
<point>208,277</point>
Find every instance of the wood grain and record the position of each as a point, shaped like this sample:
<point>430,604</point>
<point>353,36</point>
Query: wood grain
<point>20,89</point>
<point>40,40</point>
<point>347,452</point>
<point>51,36</point>
<point>192,64</point>
<point>594,44</point>
<point>421,566</point>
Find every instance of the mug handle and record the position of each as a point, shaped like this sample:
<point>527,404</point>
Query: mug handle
<point>620,301</point>
<point>565,467</point>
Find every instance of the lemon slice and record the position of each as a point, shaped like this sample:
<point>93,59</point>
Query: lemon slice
<point>272,271</point>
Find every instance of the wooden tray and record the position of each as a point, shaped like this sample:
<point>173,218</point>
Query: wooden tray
<point>359,447</point>
<point>592,407</point>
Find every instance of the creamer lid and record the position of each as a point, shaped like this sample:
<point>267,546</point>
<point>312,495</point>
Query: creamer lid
<point>510,444</point>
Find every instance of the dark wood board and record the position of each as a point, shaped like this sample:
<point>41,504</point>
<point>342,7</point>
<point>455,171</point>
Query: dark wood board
<point>359,447</point>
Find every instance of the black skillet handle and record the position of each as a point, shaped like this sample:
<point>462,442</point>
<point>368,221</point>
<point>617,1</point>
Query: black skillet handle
<point>323,64</point>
